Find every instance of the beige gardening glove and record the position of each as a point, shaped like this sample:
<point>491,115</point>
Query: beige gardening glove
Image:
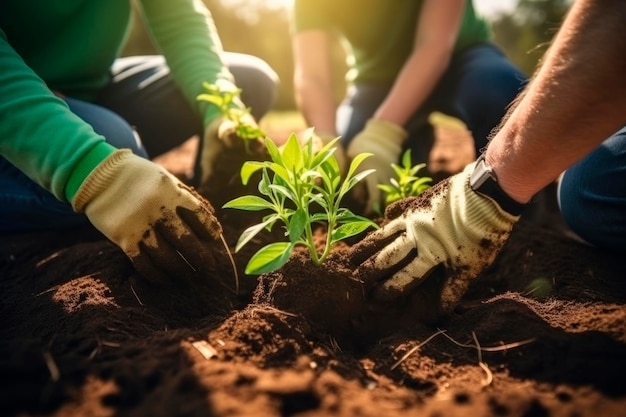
<point>453,147</point>
<point>449,228</point>
<point>384,140</point>
<point>219,135</point>
<point>168,231</point>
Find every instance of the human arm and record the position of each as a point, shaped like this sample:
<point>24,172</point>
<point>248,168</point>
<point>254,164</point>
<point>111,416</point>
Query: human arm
<point>184,32</point>
<point>573,103</point>
<point>135,203</point>
<point>435,37</point>
<point>434,40</point>
<point>314,89</point>
<point>313,80</point>
<point>452,233</point>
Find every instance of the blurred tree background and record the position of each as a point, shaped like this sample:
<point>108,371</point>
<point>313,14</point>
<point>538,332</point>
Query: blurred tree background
<point>262,28</point>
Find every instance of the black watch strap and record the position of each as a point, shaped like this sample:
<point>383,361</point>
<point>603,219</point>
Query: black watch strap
<point>484,181</point>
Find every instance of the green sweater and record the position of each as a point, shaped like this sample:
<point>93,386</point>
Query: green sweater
<point>379,33</point>
<point>68,46</point>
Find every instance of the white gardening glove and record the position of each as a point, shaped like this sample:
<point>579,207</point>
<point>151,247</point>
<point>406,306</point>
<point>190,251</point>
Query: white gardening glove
<point>453,147</point>
<point>222,134</point>
<point>384,140</point>
<point>449,226</point>
<point>168,231</point>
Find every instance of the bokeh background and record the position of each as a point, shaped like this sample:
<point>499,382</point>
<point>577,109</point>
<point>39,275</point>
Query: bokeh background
<point>522,28</point>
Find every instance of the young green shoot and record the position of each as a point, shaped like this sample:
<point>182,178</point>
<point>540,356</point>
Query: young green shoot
<point>294,186</point>
<point>406,183</point>
<point>230,107</point>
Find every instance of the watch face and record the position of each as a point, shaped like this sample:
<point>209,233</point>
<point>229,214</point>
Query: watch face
<point>484,181</point>
<point>481,174</point>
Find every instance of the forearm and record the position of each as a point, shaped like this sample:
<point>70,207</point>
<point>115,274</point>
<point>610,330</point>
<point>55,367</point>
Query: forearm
<point>316,101</point>
<point>414,83</point>
<point>186,35</point>
<point>573,103</point>
<point>38,132</point>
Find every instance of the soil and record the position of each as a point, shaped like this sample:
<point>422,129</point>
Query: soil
<point>540,333</point>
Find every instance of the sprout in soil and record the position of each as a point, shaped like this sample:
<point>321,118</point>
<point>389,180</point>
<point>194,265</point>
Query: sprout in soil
<point>407,183</point>
<point>230,106</point>
<point>294,186</point>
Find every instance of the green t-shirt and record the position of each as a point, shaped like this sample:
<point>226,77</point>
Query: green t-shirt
<point>379,33</point>
<point>69,46</point>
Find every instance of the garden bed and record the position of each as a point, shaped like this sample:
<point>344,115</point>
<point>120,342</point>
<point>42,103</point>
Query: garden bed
<point>541,333</point>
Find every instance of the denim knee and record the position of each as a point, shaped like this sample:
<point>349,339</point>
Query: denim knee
<point>113,127</point>
<point>592,195</point>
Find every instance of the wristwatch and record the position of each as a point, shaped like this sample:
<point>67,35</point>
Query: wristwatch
<point>483,180</point>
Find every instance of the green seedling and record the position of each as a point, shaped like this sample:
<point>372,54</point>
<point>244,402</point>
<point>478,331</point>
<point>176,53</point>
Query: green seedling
<point>228,103</point>
<point>406,183</point>
<point>294,186</point>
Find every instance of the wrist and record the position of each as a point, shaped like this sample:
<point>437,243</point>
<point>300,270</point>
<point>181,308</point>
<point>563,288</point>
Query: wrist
<point>386,131</point>
<point>483,180</point>
<point>85,166</point>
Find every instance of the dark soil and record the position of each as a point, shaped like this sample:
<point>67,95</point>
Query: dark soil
<point>541,333</point>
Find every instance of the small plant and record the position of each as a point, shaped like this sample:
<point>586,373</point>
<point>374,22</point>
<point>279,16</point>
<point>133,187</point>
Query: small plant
<point>227,103</point>
<point>407,183</point>
<point>295,182</point>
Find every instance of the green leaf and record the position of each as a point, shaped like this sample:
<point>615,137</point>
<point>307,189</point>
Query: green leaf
<point>248,169</point>
<point>279,170</point>
<point>269,258</point>
<point>356,161</point>
<point>347,185</point>
<point>249,203</point>
<point>297,223</point>
<point>406,159</point>
<point>254,230</point>
<point>264,184</point>
<point>292,154</point>
<point>284,191</point>
<point>325,154</point>
<point>213,99</point>
<point>274,152</point>
<point>351,229</point>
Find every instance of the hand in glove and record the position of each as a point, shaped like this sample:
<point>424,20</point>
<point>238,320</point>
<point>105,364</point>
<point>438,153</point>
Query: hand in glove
<point>223,133</point>
<point>453,147</point>
<point>384,140</point>
<point>449,227</point>
<point>169,232</point>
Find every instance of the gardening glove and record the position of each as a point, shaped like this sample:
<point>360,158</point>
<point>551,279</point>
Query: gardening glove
<point>453,147</point>
<point>219,135</point>
<point>169,232</point>
<point>449,228</point>
<point>384,140</point>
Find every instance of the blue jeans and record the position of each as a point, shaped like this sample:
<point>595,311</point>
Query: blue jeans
<point>477,88</point>
<point>141,101</point>
<point>592,195</point>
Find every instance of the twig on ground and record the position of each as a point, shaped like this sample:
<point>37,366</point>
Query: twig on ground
<point>56,287</point>
<point>55,374</point>
<point>413,350</point>
<point>482,364</point>
<point>493,348</point>
<point>206,350</point>
<point>479,349</point>
<point>136,296</point>
<point>232,262</point>
<point>268,308</point>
